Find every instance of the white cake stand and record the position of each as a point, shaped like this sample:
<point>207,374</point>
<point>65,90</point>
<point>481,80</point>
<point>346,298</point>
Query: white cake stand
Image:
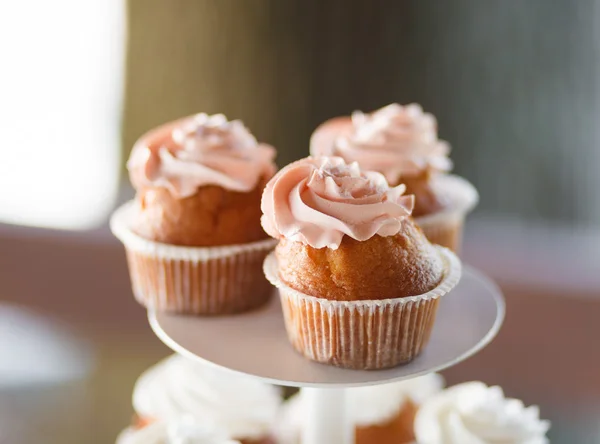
<point>256,344</point>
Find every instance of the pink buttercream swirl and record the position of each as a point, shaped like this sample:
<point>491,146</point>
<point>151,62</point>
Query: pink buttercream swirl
<point>317,201</point>
<point>395,140</point>
<point>200,150</point>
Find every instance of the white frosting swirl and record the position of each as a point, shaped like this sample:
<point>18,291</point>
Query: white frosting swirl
<point>242,406</point>
<point>395,140</point>
<point>473,413</point>
<point>371,405</point>
<point>184,430</point>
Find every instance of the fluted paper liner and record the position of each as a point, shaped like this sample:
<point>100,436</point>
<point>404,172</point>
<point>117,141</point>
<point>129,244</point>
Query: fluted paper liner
<point>445,227</point>
<point>363,335</point>
<point>193,280</point>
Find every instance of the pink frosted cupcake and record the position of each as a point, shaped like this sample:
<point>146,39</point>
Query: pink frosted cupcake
<point>192,235</point>
<point>401,142</point>
<point>358,280</point>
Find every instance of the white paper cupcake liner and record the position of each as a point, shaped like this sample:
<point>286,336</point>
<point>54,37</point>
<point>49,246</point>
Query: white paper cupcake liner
<point>365,335</point>
<point>445,227</point>
<point>193,280</point>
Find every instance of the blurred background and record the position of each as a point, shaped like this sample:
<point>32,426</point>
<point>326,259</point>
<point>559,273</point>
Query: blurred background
<point>514,84</point>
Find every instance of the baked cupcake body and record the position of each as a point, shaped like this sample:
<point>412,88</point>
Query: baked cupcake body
<point>193,236</point>
<point>381,414</point>
<point>213,216</point>
<point>242,408</point>
<point>401,142</point>
<point>396,430</point>
<point>359,282</point>
<point>369,270</point>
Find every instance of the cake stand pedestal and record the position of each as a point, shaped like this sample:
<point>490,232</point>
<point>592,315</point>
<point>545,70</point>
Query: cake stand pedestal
<point>256,344</point>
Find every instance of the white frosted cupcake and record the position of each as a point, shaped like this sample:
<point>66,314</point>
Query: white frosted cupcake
<point>185,430</point>
<point>382,414</point>
<point>192,234</point>
<point>401,142</point>
<point>473,413</point>
<point>244,408</point>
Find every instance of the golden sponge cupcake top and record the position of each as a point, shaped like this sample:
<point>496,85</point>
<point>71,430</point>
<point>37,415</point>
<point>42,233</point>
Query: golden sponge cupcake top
<point>318,201</point>
<point>398,141</point>
<point>200,150</point>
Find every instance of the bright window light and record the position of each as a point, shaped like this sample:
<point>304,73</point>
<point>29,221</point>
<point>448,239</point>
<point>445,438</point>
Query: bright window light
<point>61,74</point>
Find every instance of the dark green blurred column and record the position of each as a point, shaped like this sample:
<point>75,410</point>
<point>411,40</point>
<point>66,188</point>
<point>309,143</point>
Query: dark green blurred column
<point>281,66</point>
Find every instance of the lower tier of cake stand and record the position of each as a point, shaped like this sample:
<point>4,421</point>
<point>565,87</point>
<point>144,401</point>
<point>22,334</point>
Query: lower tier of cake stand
<point>255,344</point>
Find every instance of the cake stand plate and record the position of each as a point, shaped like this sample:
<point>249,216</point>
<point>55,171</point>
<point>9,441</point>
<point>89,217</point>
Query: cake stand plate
<point>256,344</point>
